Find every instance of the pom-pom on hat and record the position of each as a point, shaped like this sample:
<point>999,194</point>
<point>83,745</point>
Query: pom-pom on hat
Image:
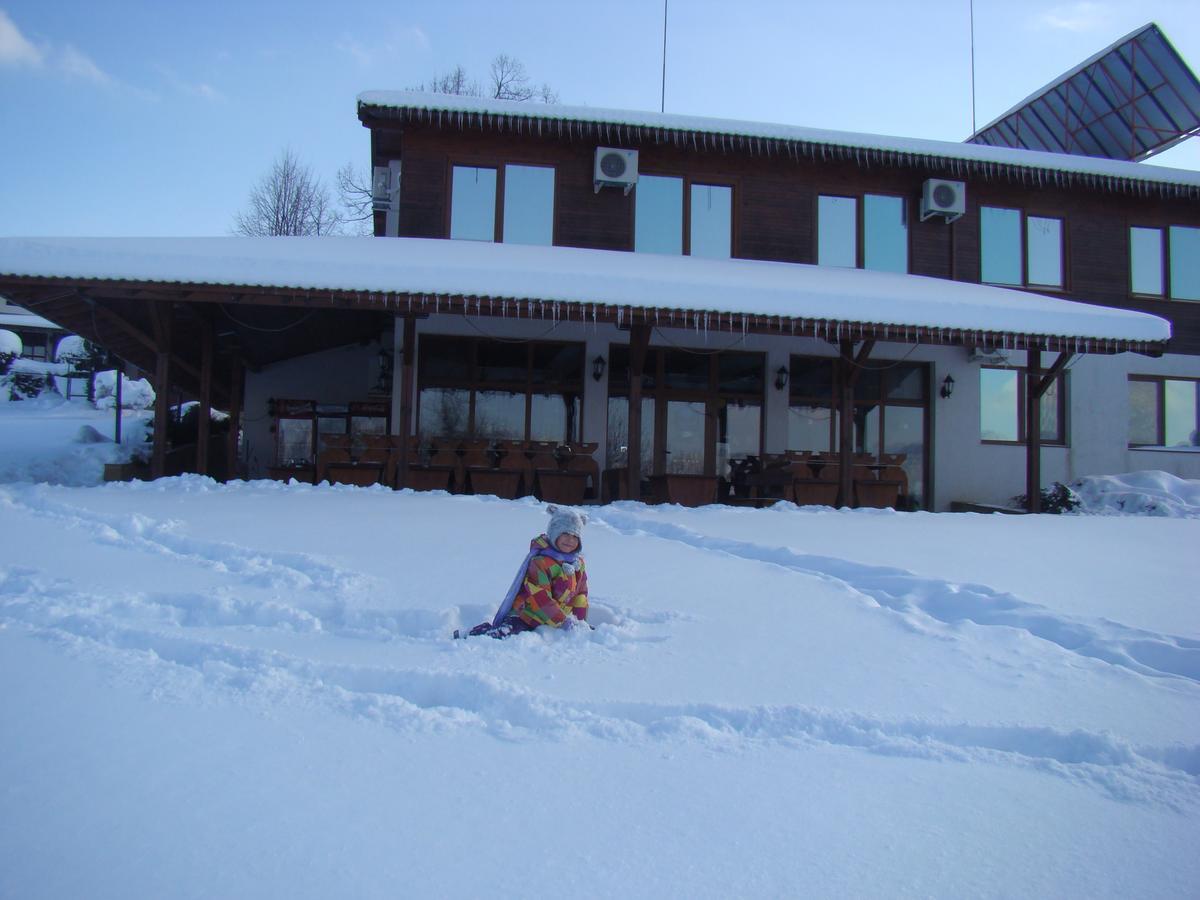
<point>565,521</point>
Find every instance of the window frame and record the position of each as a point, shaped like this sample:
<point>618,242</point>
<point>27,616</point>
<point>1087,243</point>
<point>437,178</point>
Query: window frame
<point>1160,399</point>
<point>1063,249</point>
<point>1062,439</point>
<point>1164,260</point>
<point>860,225</point>
<point>473,382</point>
<point>731,182</point>
<point>501,183</point>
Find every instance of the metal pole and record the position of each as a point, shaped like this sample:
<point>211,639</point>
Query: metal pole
<point>972,66</point>
<point>662,104</point>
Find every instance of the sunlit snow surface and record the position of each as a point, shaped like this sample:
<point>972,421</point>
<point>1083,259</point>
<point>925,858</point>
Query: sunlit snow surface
<point>250,690</point>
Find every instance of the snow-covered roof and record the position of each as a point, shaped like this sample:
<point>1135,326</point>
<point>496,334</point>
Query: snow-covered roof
<point>395,270</point>
<point>25,320</point>
<point>913,150</point>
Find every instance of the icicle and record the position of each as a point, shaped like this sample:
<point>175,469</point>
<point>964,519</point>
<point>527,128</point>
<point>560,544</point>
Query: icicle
<point>619,316</point>
<point>743,325</point>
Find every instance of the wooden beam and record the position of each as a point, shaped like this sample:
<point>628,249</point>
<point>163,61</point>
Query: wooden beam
<point>1033,431</point>
<point>639,343</point>
<point>408,375</point>
<point>237,376</point>
<point>204,411</point>
<point>163,324</point>
<point>1053,372</point>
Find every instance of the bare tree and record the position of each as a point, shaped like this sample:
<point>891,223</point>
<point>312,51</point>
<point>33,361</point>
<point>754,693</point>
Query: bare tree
<point>288,200</point>
<point>354,192</point>
<point>510,81</point>
<point>455,81</point>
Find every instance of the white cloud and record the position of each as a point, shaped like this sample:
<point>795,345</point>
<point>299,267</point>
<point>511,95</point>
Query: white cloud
<point>400,41</point>
<point>199,89</point>
<point>76,64</point>
<point>1084,15</point>
<point>15,48</point>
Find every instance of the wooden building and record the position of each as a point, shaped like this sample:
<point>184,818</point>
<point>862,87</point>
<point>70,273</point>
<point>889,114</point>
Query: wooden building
<point>593,304</point>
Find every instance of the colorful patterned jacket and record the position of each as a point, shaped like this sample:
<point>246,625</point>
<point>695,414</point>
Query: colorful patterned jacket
<point>549,592</point>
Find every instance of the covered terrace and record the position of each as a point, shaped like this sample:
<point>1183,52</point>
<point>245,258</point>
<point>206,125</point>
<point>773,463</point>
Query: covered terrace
<point>200,312</point>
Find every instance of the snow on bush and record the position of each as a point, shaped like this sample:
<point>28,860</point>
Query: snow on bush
<point>1150,493</point>
<point>134,394</point>
<point>71,349</point>
<point>10,346</point>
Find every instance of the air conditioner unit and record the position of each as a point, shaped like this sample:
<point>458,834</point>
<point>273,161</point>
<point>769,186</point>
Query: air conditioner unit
<point>943,198</point>
<point>381,188</point>
<point>986,354</point>
<point>615,167</point>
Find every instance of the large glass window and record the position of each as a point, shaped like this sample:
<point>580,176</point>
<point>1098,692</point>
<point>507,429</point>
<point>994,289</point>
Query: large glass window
<point>473,204</point>
<point>1000,245</point>
<point>658,215</point>
<point>711,221</point>
<point>528,213</point>
<point>700,410</point>
<point>1185,262</point>
<point>1164,412</point>
<point>1146,261</point>
<point>885,233</point>
<point>837,231</point>
<point>1043,237</point>
<point>890,404</point>
<point>529,205</point>
<point>518,390</point>
<point>1002,407</point>
<point>1010,254</point>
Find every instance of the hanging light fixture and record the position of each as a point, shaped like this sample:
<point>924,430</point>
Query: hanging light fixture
<point>598,368</point>
<point>947,386</point>
<point>781,378</point>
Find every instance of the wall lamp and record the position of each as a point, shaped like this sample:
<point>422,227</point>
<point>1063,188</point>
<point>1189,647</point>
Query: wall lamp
<point>947,386</point>
<point>781,378</point>
<point>598,368</point>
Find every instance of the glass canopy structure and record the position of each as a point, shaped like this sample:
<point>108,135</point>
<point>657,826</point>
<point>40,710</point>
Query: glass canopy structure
<point>1131,100</point>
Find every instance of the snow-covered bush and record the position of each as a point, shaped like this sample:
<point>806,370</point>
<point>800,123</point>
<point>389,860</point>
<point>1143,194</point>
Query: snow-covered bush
<point>72,350</point>
<point>134,394</point>
<point>1149,493</point>
<point>10,348</point>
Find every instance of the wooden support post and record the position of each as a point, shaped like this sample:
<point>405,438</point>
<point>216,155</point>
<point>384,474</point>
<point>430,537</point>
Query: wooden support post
<point>408,376</point>
<point>204,411</point>
<point>162,316</point>
<point>1033,431</point>
<point>117,409</point>
<point>851,366</point>
<point>639,342</point>
<point>237,377</point>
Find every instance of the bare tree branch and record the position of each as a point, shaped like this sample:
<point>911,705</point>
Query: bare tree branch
<point>354,191</point>
<point>288,200</point>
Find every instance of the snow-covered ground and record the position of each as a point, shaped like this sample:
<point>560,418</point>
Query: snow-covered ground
<point>249,690</point>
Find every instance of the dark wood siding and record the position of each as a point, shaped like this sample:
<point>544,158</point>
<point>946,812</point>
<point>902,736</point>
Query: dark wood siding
<point>775,208</point>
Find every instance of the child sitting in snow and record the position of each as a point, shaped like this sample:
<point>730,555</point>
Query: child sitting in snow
<point>551,586</point>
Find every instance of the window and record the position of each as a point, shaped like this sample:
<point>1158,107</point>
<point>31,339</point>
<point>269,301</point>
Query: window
<point>659,217</point>
<point>518,390</point>
<point>884,232</point>
<point>890,404</point>
<point>1018,249</point>
<point>527,216</point>
<point>1164,412</point>
<point>1002,407</point>
<point>1181,271</point>
<point>700,409</point>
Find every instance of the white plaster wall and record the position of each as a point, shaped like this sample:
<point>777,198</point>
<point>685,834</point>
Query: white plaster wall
<point>1097,429</point>
<point>332,376</point>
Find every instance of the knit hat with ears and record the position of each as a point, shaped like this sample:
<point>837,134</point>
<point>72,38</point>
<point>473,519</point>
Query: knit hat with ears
<point>565,521</point>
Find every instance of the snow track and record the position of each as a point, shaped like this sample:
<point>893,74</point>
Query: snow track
<point>922,600</point>
<point>164,641</point>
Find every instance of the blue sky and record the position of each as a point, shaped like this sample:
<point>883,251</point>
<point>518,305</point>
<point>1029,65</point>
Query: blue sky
<point>156,118</point>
